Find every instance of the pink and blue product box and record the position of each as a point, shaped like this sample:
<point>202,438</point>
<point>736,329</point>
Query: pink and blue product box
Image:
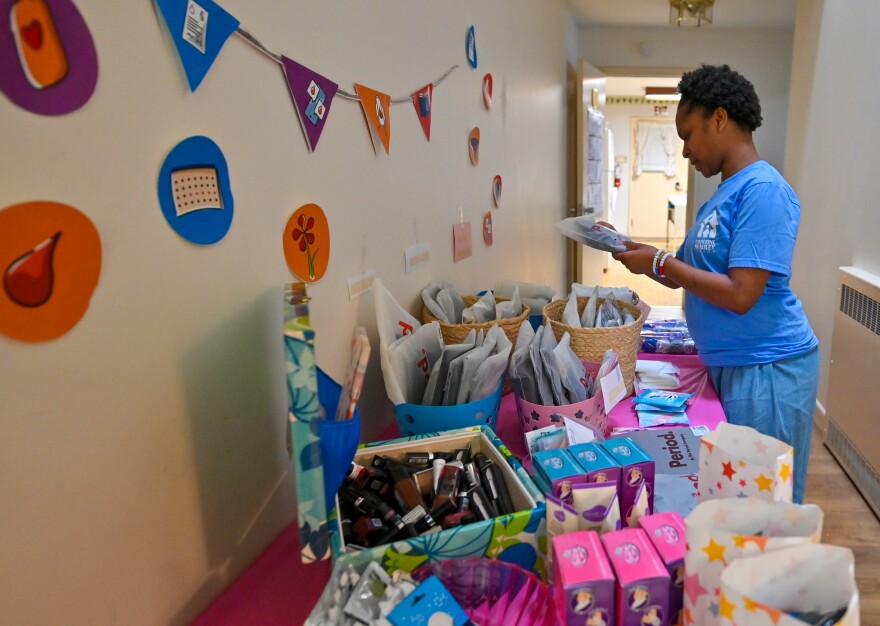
<point>642,579</point>
<point>637,470</point>
<point>667,532</point>
<point>584,584</point>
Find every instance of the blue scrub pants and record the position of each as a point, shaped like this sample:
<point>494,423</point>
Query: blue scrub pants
<point>776,399</point>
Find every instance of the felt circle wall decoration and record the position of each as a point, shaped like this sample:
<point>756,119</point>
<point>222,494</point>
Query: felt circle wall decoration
<point>474,145</point>
<point>487,91</point>
<point>487,228</point>
<point>496,190</point>
<point>194,191</point>
<point>471,47</point>
<point>50,258</point>
<point>306,243</point>
<point>48,61</point>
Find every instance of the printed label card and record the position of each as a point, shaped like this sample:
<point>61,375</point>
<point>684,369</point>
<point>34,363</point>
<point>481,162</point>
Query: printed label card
<point>462,246</point>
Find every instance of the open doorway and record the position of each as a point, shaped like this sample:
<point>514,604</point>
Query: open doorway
<point>648,196</point>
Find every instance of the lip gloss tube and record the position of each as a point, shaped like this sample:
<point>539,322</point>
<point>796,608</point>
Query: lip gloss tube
<point>423,459</point>
<point>370,505</point>
<point>437,470</point>
<point>409,497</point>
<point>497,489</point>
<point>447,491</point>
<point>481,503</point>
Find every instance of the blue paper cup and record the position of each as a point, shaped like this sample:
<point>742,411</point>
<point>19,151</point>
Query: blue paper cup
<point>339,439</point>
<point>416,419</point>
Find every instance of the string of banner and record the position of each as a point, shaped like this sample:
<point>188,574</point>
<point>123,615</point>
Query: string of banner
<point>312,93</point>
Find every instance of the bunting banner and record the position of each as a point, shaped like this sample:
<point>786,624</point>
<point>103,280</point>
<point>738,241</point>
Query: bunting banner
<point>199,30</point>
<point>377,109</point>
<point>312,95</point>
<point>422,102</point>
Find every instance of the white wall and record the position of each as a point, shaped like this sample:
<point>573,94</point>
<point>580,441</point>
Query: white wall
<point>830,153</point>
<point>761,55</point>
<point>143,453</point>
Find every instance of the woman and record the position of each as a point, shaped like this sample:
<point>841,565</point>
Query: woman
<point>735,266</point>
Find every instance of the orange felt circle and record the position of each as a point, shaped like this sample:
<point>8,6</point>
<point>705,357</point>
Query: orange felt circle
<point>75,267</point>
<point>307,220</point>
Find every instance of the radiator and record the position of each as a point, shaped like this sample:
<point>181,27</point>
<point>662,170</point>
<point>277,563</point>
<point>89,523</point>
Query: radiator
<point>853,403</point>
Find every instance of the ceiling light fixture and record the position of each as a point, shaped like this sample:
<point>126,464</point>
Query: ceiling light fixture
<point>690,12</point>
<point>670,94</point>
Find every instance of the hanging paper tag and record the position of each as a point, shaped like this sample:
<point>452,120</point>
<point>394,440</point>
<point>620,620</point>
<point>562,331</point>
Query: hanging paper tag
<point>613,388</point>
<point>462,246</point>
<point>359,284</point>
<point>416,254</point>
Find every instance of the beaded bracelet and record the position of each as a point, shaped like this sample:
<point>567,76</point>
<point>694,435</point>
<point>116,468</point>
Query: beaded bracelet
<point>657,256</point>
<point>660,271</point>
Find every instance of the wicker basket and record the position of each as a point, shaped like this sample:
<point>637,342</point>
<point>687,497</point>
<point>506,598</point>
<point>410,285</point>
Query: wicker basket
<point>591,343</point>
<point>456,333</point>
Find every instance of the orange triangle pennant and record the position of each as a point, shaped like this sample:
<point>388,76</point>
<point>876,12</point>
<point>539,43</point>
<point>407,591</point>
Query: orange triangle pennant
<point>422,102</point>
<point>377,109</point>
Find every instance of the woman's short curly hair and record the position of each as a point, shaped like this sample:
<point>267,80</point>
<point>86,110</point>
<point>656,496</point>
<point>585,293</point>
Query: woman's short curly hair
<point>713,86</point>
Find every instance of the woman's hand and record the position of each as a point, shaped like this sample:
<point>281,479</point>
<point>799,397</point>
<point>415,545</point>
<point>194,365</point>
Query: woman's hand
<point>638,258</point>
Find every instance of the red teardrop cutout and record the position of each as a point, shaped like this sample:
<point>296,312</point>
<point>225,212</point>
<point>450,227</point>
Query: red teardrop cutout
<point>29,279</point>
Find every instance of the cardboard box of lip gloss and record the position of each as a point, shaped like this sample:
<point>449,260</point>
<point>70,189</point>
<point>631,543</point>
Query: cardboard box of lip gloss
<point>583,581</point>
<point>518,537</point>
<point>642,579</point>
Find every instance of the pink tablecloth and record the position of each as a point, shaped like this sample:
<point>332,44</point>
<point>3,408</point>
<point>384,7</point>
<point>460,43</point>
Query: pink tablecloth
<point>704,408</point>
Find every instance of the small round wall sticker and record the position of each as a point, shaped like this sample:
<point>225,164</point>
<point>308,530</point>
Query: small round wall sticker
<point>487,90</point>
<point>474,145</point>
<point>307,243</point>
<point>471,47</point>
<point>48,60</point>
<point>496,190</point>
<point>50,258</point>
<point>487,228</point>
<point>194,191</point>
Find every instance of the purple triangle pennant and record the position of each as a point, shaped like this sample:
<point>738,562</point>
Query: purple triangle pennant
<point>312,95</point>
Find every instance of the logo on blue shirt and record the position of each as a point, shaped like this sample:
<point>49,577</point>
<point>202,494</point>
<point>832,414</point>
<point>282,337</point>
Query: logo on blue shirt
<point>706,233</point>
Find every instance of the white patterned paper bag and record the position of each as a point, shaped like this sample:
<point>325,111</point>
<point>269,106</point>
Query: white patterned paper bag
<point>720,531</point>
<point>738,461</point>
<point>808,580</point>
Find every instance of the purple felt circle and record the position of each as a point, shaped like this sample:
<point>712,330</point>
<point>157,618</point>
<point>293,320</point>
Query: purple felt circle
<point>77,86</point>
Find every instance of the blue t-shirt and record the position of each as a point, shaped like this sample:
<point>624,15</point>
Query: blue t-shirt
<point>750,221</point>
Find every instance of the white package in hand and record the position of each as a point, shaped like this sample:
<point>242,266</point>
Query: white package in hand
<point>586,231</point>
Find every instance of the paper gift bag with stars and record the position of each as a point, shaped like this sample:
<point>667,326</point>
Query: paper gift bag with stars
<point>721,531</point>
<point>738,461</point>
<point>809,579</point>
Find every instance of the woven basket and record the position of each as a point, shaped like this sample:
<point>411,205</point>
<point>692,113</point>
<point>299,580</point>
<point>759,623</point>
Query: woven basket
<point>456,333</point>
<point>591,343</point>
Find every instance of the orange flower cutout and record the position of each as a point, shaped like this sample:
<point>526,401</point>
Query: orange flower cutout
<point>306,243</point>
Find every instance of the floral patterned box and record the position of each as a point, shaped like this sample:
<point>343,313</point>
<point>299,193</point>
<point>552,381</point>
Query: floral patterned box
<point>517,537</point>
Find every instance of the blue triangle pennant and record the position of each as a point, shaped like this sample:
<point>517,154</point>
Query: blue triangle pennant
<point>199,29</point>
